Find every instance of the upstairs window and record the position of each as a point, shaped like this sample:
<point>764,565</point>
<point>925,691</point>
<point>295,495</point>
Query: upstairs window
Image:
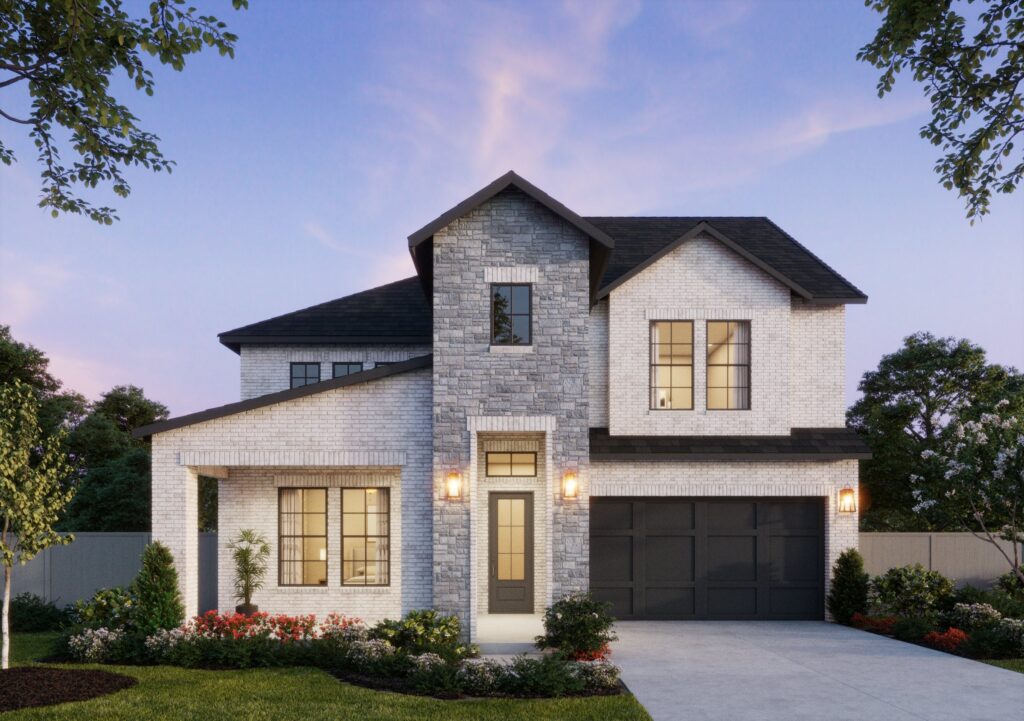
<point>305,373</point>
<point>344,369</point>
<point>512,464</point>
<point>302,540</point>
<point>672,365</point>
<point>511,314</point>
<point>729,365</point>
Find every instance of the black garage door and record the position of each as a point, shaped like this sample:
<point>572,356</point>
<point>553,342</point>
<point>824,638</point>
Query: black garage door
<point>682,558</point>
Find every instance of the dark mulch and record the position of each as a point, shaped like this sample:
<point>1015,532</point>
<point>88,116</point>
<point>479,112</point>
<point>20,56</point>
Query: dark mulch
<point>401,685</point>
<point>27,686</point>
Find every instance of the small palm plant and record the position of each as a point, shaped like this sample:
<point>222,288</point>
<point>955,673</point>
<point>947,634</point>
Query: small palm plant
<point>250,551</point>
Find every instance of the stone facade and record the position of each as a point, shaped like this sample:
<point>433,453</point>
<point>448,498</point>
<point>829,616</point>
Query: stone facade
<point>546,379</point>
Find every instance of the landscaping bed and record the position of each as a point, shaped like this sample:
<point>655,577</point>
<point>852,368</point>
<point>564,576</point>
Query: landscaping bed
<point>28,686</point>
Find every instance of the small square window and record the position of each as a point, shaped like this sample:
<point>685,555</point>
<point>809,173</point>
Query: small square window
<point>302,374</point>
<point>345,368</point>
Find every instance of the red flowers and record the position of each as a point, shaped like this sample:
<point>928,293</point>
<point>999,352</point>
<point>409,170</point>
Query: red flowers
<point>282,627</point>
<point>875,624</point>
<point>599,655</point>
<point>949,640</point>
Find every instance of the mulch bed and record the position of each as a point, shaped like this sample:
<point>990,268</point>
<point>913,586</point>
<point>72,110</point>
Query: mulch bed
<point>400,685</point>
<point>27,686</point>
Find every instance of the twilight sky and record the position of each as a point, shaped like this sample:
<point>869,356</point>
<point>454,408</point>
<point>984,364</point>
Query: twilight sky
<point>341,127</point>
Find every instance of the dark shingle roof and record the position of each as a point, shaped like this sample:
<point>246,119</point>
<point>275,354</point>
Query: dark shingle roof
<point>638,239</point>
<point>394,313</point>
<point>822,444</point>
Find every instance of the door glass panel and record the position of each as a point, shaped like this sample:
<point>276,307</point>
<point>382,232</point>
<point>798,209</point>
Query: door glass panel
<point>511,539</point>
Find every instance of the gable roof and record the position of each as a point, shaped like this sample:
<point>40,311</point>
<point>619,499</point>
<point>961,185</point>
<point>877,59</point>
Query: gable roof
<point>807,444</point>
<point>394,313</point>
<point>413,364</point>
<point>640,241</point>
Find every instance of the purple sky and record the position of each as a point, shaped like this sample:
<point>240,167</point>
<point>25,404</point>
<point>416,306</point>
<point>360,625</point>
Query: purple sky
<point>342,127</point>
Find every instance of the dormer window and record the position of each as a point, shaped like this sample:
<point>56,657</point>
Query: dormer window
<point>729,365</point>
<point>511,314</point>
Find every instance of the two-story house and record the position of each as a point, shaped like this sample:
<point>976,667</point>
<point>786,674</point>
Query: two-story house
<point>649,408</point>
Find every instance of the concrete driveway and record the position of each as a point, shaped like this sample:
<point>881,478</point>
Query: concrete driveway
<point>796,670</point>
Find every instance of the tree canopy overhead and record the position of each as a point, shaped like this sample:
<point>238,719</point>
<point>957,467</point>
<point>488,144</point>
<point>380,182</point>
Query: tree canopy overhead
<point>63,56</point>
<point>972,69</point>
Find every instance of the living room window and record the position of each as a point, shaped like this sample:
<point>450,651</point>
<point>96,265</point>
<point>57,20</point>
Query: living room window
<point>365,536</point>
<point>672,365</point>
<point>305,373</point>
<point>302,537</point>
<point>729,365</point>
<point>511,314</point>
<point>344,369</point>
<point>512,464</point>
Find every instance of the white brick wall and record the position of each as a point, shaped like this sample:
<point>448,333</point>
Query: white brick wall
<point>267,368</point>
<point>699,281</point>
<point>390,417</point>
<point>597,379</point>
<point>821,479</point>
<point>817,370</point>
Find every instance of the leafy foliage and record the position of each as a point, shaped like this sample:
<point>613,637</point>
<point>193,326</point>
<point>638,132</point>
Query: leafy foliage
<point>424,631</point>
<point>578,626</point>
<point>912,591</point>
<point>251,553</point>
<point>108,608</point>
<point>850,585</point>
<point>63,56</point>
<point>159,603</point>
<point>31,614</point>
<point>906,407</point>
<point>972,70</point>
<point>913,628</point>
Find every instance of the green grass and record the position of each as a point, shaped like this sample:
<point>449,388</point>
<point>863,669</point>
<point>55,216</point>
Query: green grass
<point>301,694</point>
<point>1014,664</point>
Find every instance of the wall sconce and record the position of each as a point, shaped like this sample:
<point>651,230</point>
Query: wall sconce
<point>570,485</point>
<point>847,500</point>
<point>453,485</point>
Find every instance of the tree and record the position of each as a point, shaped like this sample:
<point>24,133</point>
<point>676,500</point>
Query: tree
<point>63,55</point>
<point>128,407</point>
<point>156,588</point>
<point>114,496</point>
<point>850,585</point>
<point>979,479</point>
<point>906,406</point>
<point>973,84</point>
<point>28,364</point>
<point>32,495</point>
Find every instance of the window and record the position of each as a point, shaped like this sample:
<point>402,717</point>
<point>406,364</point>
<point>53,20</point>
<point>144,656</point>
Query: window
<point>511,322</point>
<point>344,369</point>
<point>672,365</point>
<point>512,464</point>
<point>378,364</point>
<point>305,373</point>
<point>729,365</point>
<point>365,536</point>
<point>302,535</point>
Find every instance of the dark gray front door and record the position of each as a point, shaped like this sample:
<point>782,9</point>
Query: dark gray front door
<point>680,558</point>
<point>510,580</point>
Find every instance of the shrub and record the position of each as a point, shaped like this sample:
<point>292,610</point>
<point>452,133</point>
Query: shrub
<point>550,675</point>
<point>159,603</point>
<point>912,628</point>
<point>480,677</point>
<point>111,608</point>
<point>850,585</point>
<point>94,645</point>
<point>250,552</point>
<point>1010,583</point>
<point>949,640</point>
<point>911,591</point>
<point>874,624</point>
<point>598,675</point>
<point>433,675</point>
<point>1004,639</point>
<point>1007,604</point>
<point>30,613</point>
<point>578,626</point>
<point>426,631</point>
<point>971,616</point>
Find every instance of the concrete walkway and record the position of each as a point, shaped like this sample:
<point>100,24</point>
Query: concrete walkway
<point>796,671</point>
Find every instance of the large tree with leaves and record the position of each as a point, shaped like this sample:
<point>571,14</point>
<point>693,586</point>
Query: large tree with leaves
<point>969,56</point>
<point>57,64</point>
<point>33,466</point>
<point>905,410</point>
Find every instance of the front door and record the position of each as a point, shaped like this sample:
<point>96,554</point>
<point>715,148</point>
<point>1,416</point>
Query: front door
<point>511,553</point>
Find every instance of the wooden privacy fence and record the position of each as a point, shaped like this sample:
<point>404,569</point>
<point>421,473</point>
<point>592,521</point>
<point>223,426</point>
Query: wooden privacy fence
<point>960,556</point>
<point>64,574</point>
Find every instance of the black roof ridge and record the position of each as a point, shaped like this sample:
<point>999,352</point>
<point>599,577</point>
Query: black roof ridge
<point>289,394</point>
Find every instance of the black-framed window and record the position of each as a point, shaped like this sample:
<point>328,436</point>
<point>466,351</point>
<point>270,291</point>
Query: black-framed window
<point>672,365</point>
<point>511,314</point>
<point>728,365</point>
<point>378,364</point>
<point>302,536</point>
<point>512,464</point>
<point>344,368</point>
<point>365,537</point>
<point>304,373</point>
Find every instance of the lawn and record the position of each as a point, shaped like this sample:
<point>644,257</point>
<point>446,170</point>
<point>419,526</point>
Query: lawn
<point>302,694</point>
<point>1014,664</point>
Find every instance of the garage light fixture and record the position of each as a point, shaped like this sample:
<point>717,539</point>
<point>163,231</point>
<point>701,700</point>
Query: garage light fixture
<point>570,485</point>
<point>453,485</point>
<point>847,500</point>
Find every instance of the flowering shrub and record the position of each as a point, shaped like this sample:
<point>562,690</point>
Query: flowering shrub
<point>479,676</point>
<point>108,608</point>
<point>874,624</point>
<point>973,615</point>
<point>949,640</point>
<point>425,631</point>
<point>598,675</point>
<point>578,626</point>
<point>910,591</point>
<point>95,645</point>
<point>237,625</point>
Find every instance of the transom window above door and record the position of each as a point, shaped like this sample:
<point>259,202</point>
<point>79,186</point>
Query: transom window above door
<point>511,314</point>
<point>672,365</point>
<point>512,464</point>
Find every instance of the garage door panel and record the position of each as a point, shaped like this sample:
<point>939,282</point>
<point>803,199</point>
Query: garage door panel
<point>793,516</point>
<point>611,559</point>
<point>732,558</point>
<point>794,558</point>
<point>668,516</point>
<point>795,602</point>
<point>732,602</point>
<point>668,602</point>
<point>611,516</point>
<point>621,600</point>
<point>731,516</point>
<point>668,559</point>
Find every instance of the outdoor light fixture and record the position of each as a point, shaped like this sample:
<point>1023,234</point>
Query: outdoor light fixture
<point>570,485</point>
<point>847,500</point>
<point>453,485</point>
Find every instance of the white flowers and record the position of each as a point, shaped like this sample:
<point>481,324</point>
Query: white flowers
<point>93,645</point>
